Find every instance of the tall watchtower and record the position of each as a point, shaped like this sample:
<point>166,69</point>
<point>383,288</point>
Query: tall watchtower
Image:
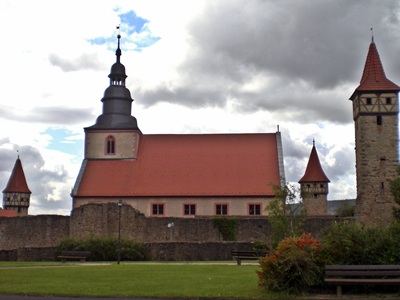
<point>375,114</point>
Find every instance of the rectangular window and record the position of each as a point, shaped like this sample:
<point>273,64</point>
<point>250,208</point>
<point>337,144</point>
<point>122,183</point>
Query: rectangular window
<point>189,209</point>
<point>158,209</point>
<point>379,120</point>
<point>254,209</point>
<point>221,209</point>
<point>369,101</point>
<point>388,100</point>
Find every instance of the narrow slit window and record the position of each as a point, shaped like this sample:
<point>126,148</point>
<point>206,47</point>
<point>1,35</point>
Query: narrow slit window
<point>379,120</point>
<point>110,145</point>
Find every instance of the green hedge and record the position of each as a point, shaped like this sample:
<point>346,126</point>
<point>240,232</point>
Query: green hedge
<point>105,249</point>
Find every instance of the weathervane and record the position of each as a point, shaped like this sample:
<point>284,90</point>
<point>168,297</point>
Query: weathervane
<point>372,33</point>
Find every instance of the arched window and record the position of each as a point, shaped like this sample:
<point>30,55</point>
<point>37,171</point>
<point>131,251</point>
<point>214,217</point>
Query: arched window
<point>110,145</point>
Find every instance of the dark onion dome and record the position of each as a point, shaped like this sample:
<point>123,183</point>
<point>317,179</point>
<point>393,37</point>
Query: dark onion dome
<point>117,100</point>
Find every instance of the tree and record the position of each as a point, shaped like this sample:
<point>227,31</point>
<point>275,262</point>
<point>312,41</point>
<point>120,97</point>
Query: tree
<point>286,213</point>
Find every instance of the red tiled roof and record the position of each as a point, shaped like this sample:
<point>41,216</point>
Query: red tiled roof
<point>17,182</point>
<point>188,165</point>
<point>314,172</point>
<point>7,213</point>
<point>373,77</point>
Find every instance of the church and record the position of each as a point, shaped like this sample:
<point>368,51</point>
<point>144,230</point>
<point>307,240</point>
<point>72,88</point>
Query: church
<point>174,175</point>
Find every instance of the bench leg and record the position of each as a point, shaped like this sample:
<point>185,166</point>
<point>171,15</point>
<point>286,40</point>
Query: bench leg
<point>239,261</point>
<point>339,290</point>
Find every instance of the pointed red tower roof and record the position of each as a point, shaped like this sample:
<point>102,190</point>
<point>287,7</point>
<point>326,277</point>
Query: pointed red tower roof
<point>314,172</point>
<point>373,77</point>
<point>17,182</point>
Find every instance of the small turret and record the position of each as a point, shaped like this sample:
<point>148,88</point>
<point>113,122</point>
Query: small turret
<point>16,195</point>
<point>314,186</point>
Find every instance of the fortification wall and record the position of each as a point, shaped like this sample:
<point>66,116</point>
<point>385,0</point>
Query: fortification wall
<point>32,231</point>
<point>103,219</point>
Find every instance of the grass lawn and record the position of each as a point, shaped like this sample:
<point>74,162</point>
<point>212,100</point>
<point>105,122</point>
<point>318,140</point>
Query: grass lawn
<point>131,279</point>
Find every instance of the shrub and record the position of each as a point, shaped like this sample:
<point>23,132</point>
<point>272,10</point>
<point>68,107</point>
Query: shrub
<point>293,267</point>
<point>352,243</point>
<point>105,249</point>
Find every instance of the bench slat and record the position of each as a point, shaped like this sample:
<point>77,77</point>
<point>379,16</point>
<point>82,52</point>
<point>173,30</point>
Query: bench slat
<point>362,267</point>
<point>363,273</point>
<point>362,280</point>
<point>81,255</point>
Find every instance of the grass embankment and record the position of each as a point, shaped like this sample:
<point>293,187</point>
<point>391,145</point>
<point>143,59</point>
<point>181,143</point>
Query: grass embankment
<point>131,280</point>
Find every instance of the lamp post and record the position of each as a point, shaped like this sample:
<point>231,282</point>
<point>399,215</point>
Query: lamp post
<point>119,231</point>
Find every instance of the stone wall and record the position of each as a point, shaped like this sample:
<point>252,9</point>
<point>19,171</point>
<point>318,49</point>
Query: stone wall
<point>46,231</point>
<point>32,231</point>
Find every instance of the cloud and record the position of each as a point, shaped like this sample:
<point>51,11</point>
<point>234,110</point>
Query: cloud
<point>85,61</point>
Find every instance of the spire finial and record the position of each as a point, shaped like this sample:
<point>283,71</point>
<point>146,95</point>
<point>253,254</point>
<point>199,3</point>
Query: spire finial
<point>18,154</point>
<point>313,142</point>
<point>118,51</point>
<point>372,34</point>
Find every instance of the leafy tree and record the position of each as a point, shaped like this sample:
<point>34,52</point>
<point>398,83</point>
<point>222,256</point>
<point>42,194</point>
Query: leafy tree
<point>286,213</point>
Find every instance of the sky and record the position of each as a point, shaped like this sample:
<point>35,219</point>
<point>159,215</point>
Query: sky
<point>193,66</point>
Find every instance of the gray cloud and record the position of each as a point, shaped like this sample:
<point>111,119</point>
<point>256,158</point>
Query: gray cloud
<point>50,115</point>
<point>307,52</point>
<point>85,61</point>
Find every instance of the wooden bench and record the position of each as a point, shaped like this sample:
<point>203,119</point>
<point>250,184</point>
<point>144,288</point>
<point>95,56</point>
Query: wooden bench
<point>250,255</point>
<point>361,275</point>
<point>81,255</point>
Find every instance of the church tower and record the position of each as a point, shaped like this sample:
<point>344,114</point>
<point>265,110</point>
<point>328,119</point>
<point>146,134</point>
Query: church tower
<point>115,135</point>
<point>314,186</point>
<point>375,114</point>
<point>16,195</point>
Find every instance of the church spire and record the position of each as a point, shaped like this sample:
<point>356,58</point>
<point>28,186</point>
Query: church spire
<point>117,100</point>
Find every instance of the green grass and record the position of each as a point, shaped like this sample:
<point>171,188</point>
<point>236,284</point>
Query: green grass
<point>131,280</point>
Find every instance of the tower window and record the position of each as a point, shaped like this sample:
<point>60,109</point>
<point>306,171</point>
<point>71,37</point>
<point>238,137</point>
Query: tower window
<point>110,145</point>
<point>379,120</point>
<point>388,100</point>
<point>369,101</point>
